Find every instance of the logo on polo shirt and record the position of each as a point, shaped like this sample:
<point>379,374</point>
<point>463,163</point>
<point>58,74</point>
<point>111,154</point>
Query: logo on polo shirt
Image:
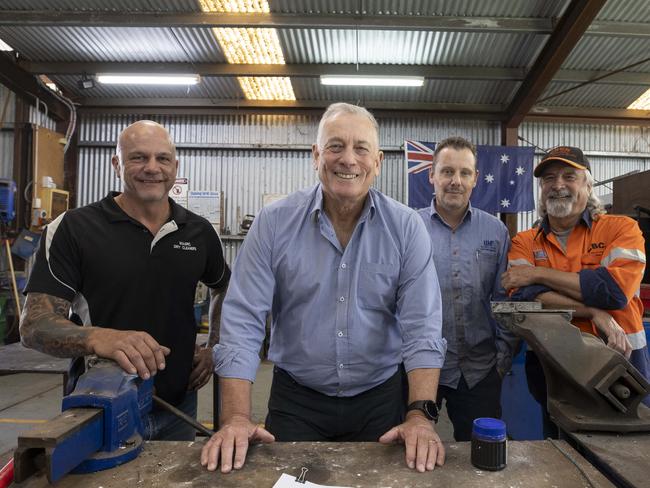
<point>540,255</point>
<point>184,245</point>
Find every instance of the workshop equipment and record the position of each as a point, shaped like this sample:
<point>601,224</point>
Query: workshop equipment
<point>101,426</point>
<point>589,385</point>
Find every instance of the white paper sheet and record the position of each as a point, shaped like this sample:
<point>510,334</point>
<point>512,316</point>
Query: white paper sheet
<point>288,481</point>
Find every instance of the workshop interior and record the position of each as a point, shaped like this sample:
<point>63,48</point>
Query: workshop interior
<point>241,86</point>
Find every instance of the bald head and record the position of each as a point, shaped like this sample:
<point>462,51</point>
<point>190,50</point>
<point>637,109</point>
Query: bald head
<point>143,129</point>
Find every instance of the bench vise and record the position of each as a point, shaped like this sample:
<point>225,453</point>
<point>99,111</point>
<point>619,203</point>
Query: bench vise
<point>101,426</point>
<point>590,387</point>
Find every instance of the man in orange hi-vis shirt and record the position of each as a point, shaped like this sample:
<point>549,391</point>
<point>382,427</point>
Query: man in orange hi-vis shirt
<point>582,259</point>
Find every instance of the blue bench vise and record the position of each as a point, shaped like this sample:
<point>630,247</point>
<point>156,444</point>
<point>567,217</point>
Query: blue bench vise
<point>101,426</point>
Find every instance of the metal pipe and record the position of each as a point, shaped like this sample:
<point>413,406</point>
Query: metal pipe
<point>183,416</point>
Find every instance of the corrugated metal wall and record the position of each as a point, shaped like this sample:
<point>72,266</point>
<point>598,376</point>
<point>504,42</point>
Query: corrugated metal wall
<point>246,156</point>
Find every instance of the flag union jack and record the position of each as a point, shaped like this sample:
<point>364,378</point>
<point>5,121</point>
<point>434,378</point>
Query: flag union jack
<point>419,156</point>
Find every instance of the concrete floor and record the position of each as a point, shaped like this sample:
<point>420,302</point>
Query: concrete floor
<point>27,400</point>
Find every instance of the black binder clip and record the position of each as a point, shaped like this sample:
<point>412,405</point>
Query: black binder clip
<point>303,474</point>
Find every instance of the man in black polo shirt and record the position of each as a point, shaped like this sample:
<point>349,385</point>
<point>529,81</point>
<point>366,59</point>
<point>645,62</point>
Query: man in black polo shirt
<point>128,265</point>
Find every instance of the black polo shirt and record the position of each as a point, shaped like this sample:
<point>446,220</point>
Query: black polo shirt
<point>118,275</point>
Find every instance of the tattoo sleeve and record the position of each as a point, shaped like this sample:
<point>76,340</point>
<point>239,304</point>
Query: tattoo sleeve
<point>44,326</point>
<point>216,302</point>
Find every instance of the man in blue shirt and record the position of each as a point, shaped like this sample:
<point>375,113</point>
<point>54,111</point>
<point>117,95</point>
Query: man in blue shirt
<point>470,249</point>
<point>348,276</point>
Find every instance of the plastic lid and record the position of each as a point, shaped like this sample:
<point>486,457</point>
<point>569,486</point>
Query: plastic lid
<point>489,428</point>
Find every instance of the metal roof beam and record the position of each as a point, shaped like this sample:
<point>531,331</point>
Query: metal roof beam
<point>313,70</point>
<point>570,29</point>
<point>135,104</point>
<point>300,70</point>
<point>76,18</point>
<point>590,115</point>
<point>26,86</point>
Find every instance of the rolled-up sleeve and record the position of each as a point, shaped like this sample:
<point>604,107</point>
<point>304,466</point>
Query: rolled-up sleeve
<point>247,303</point>
<point>419,306</point>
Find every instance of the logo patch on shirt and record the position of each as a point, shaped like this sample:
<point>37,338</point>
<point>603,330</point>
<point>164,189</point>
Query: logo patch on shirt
<point>596,245</point>
<point>540,255</point>
<point>489,245</point>
<point>184,245</point>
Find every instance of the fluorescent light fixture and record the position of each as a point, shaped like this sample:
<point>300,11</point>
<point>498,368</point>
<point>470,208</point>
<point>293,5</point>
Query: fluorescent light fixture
<point>641,103</point>
<point>354,80</point>
<point>4,46</point>
<point>116,79</point>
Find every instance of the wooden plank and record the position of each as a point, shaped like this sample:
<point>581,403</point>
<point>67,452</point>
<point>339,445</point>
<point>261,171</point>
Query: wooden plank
<point>538,464</point>
<point>64,425</point>
<point>625,457</point>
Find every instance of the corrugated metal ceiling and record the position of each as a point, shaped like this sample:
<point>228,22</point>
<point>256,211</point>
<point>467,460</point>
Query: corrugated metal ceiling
<point>305,46</point>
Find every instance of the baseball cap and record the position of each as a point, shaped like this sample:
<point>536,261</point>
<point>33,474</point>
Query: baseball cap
<point>571,156</point>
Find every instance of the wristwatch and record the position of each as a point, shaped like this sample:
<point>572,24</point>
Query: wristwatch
<point>427,407</point>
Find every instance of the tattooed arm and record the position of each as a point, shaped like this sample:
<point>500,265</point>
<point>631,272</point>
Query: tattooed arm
<point>44,326</point>
<point>203,366</point>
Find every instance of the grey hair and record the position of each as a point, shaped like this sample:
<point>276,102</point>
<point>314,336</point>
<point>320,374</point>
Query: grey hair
<point>594,205</point>
<point>346,108</point>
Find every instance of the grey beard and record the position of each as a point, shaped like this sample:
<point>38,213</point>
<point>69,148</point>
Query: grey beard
<point>559,208</point>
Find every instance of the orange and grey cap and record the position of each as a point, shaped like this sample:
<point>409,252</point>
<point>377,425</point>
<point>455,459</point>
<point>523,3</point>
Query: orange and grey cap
<point>571,156</point>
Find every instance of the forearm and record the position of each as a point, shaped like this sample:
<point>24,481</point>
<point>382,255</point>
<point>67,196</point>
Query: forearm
<point>423,384</point>
<point>214,315</point>
<point>235,399</point>
<point>553,299</point>
<point>44,327</point>
<point>567,284</point>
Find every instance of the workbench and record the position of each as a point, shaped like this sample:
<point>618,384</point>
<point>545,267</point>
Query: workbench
<point>624,457</point>
<point>363,465</point>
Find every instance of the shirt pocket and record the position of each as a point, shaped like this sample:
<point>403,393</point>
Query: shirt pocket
<point>378,286</point>
<point>487,268</point>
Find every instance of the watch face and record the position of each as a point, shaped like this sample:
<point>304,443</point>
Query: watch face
<point>430,409</point>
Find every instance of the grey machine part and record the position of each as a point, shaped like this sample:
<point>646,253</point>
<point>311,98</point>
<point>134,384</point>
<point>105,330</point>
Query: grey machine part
<point>590,387</point>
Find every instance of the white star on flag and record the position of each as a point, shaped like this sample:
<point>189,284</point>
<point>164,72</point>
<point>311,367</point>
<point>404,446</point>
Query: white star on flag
<point>520,170</point>
<point>505,158</point>
<point>512,182</point>
<point>505,202</point>
<point>489,178</point>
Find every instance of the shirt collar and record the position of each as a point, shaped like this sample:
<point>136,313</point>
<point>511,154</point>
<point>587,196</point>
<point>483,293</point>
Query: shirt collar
<point>115,213</point>
<point>467,216</point>
<point>585,218</point>
<point>317,207</point>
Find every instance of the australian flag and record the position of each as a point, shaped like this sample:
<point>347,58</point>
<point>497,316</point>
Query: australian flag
<point>505,179</point>
<point>419,158</point>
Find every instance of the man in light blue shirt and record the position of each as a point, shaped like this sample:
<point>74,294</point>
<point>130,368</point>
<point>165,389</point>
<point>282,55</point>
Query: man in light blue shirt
<point>349,278</point>
<point>470,249</point>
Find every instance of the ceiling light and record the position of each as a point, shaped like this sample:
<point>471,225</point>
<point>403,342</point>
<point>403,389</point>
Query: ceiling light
<point>266,88</point>
<point>4,46</point>
<point>641,103</point>
<point>354,80</point>
<point>235,6</point>
<point>111,79</point>
<point>249,46</point>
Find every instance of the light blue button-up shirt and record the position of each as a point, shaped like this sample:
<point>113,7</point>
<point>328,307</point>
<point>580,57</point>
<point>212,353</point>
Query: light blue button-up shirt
<point>469,261</point>
<point>343,318</point>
